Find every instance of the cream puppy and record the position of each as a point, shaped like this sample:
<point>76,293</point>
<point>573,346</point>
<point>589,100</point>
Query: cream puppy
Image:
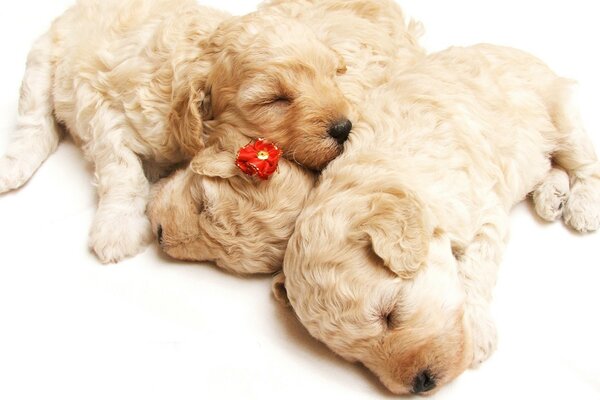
<point>134,81</point>
<point>250,222</point>
<point>368,34</point>
<point>107,72</point>
<point>296,71</point>
<point>212,211</point>
<point>394,257</point>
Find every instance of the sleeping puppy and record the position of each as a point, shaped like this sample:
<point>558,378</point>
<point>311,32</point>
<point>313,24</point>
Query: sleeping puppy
<point>394,257</point>
<point>371,37</point>
<point>212,211</point>
<point>295,71</point>
<point>134,81</point>
<point>368,34</point>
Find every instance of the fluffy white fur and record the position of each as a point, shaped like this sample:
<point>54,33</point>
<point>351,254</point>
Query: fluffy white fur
<point>133,82</point>
<point>393,260</point>
<point>211,212</point>
<point>107,72</point>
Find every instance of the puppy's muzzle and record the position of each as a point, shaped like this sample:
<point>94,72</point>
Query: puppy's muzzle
<point>423,382</point>
<point>340,130</point>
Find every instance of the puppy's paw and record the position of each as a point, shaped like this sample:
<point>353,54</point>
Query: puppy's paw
<point>582,209</point>
<point>115,236</point>
<point>484,338</point>
<point>13,173</point>
<point>551,195</point>
<point>484,346</point>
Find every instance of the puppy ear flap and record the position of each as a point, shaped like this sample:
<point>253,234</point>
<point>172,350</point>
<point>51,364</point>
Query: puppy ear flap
<point>398,231</point>
<point>279,290</point>
<point>213,163</point>
<point>190,106</point>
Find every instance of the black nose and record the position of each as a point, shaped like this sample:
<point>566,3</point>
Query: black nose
<point>340,130</point>
<point>424,382</point>
<point>159,233</point>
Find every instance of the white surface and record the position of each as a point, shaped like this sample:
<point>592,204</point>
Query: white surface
<point>153,328</point>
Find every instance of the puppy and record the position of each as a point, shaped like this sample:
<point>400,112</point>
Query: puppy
<point>284,73</point>
<point>370,36</point>
<point>394,257</point>
<point>133,83</point>
<point>212,211</point>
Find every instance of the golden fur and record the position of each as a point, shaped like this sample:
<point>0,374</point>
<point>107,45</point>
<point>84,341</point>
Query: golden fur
<point>134,82</point>
<point>244,225</point>
<point>394,257</point>
<point>211,211</point>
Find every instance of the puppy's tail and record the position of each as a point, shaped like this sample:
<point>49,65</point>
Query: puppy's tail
<point>37,134</point>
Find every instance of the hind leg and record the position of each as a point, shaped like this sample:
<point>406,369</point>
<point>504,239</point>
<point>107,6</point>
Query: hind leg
<point>37,134</point>
<point>120,228</point>
<point>575,154</point>
<point>551,195</point>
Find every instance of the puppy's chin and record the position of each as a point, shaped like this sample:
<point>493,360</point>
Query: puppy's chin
<point>315,157</point>
<point>189,252</point>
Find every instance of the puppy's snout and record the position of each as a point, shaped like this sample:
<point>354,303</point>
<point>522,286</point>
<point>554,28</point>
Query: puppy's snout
<point>424,382</point>
<point>159,234</point>
<point>340,130</point>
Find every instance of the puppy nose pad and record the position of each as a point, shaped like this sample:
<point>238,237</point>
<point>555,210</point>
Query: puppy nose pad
<point>340,130</point>
<point>423,382</point>
<point>159,233</point>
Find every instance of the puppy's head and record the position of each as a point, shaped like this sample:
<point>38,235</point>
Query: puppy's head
<point>273,78</point>
<point>212,212</point>
<point>375,283</point>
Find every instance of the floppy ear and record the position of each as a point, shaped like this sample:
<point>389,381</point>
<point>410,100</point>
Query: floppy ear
<point>190,106</point>
<point>213,163</point>
<point>279,290</point>
<point>398,230</point>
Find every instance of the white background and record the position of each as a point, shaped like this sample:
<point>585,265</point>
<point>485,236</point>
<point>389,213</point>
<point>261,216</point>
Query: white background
<point>153,328</point>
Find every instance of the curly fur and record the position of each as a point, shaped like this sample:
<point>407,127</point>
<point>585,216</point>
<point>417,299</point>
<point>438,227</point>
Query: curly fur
<point>134,82</point>
<point>394,257</point>
<point>211,211</point>
<point>108,72</point>
<point>246,224</point>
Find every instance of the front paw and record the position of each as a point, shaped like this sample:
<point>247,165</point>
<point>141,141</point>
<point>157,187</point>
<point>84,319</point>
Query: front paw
<point>582,210</point>
<point>484,337</point>
<point>115,236</point>
<point>550,196</point>
<point>13,173</point>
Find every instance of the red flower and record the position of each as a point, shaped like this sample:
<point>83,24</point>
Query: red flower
<point>259,159</point>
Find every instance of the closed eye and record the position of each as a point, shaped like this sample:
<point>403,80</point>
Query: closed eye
<point>280,101</point>
<point>389,317</point>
